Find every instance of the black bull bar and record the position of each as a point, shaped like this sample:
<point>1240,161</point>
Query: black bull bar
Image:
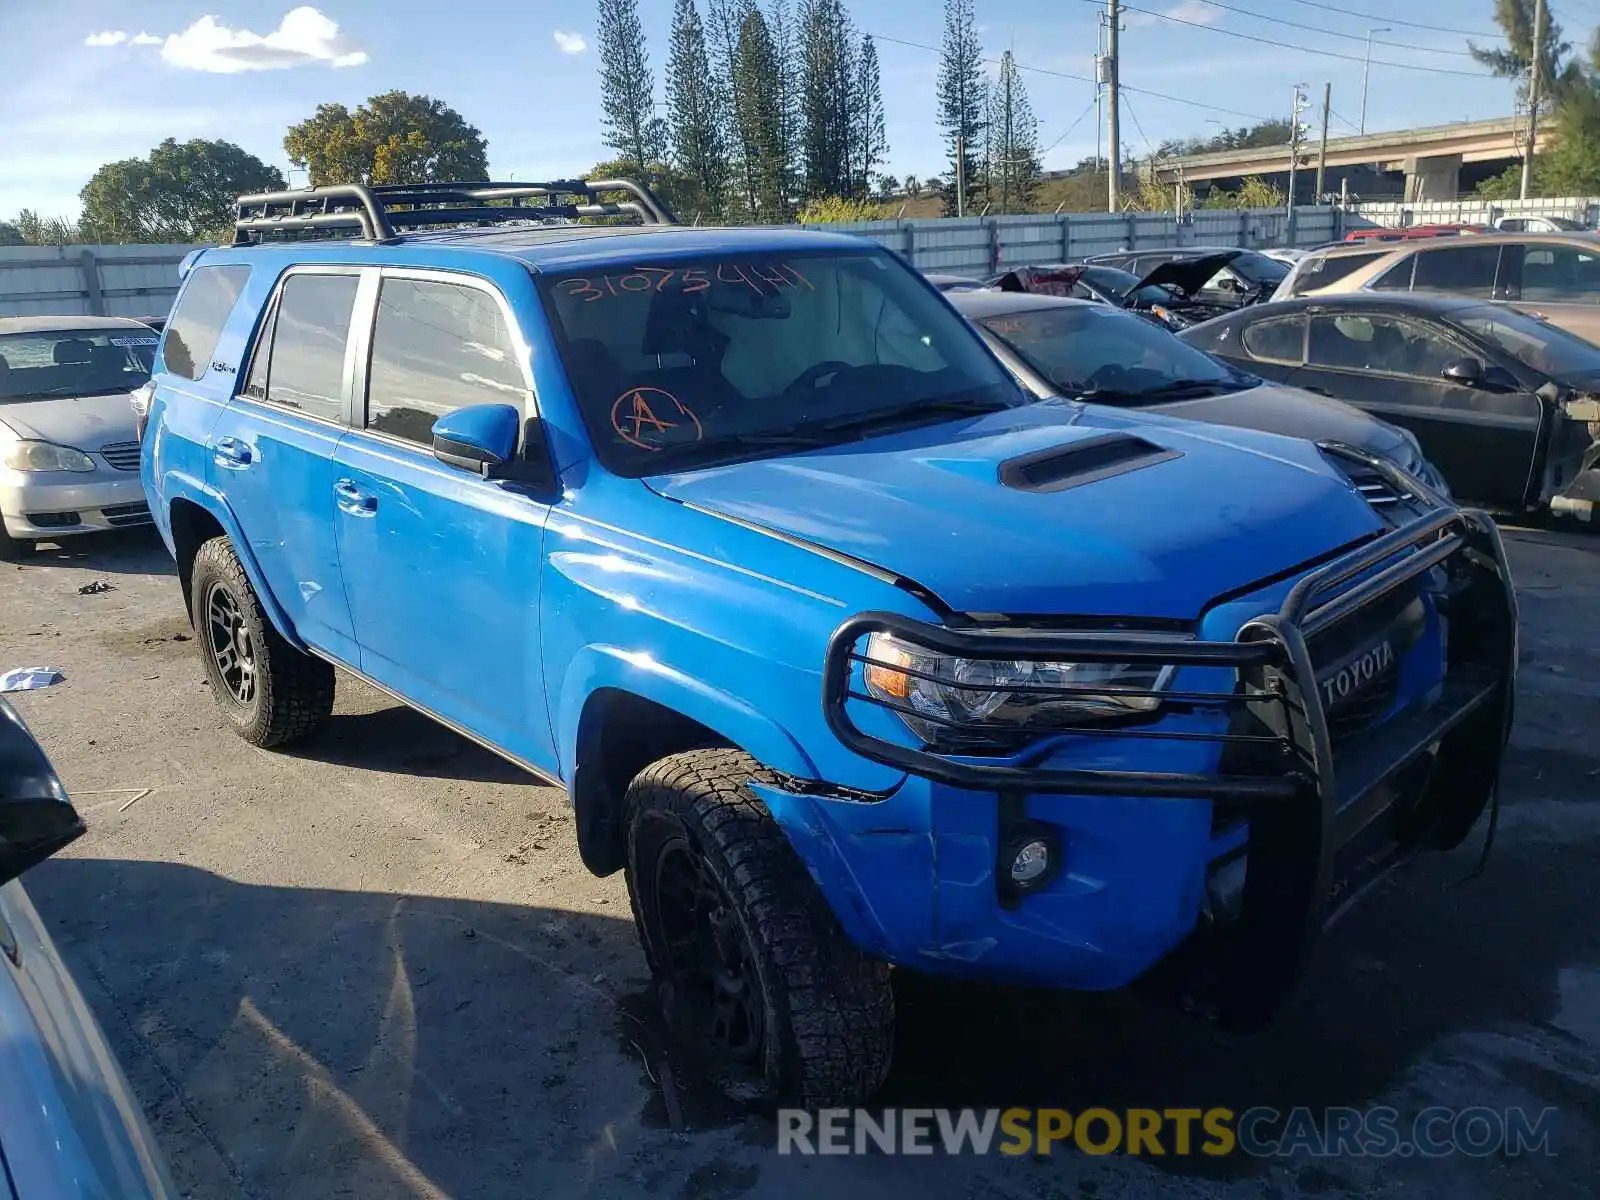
<point>1328,818</point>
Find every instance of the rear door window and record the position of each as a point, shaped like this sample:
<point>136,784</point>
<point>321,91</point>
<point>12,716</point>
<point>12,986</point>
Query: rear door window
<point>197,322</point>
<point>1398,277</point>
<point>1281,339</point>
<point>1555,274</point>
<point>438,346</point>
<point>1381,344</point>
<point>310,335</point>
<point>1328,270</point>
<point>1462,270</point>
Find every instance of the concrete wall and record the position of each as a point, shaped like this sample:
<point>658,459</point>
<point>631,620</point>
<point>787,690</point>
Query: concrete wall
<point>115,281</point>
<point>1470,211</point>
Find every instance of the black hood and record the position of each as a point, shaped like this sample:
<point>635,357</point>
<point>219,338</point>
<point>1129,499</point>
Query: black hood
<point>1189,275</point>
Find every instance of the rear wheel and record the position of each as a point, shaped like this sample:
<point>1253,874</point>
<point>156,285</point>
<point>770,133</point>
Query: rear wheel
<point>754,974</point>
<point>269,692</point>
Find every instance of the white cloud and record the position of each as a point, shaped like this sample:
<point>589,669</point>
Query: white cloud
<point>110,37</point>
<point>144,39</point>
<point>303,38</point>
<point>570,43</point>
<point>1197,11</point>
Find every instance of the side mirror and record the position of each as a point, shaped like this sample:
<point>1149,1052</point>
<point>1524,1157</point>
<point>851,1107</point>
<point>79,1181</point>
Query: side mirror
<point>36,818</point>
<point>1466,371</point>
<point>483,439</point>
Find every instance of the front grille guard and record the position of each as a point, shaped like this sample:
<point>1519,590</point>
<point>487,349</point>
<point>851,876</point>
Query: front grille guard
<point>1277,761</point>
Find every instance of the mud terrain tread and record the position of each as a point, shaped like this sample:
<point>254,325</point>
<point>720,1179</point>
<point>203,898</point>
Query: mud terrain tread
<point>294,690</point>
<point>831,1006</point>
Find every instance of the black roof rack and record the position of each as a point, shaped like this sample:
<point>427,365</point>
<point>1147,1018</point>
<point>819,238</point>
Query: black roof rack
<point>378,212</point>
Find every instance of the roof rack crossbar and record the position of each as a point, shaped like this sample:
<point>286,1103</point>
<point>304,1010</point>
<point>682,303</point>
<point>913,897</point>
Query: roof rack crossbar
<point>378,210</point>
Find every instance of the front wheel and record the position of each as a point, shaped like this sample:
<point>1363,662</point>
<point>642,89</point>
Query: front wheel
<point>269,692</point>
<point>754,974</point>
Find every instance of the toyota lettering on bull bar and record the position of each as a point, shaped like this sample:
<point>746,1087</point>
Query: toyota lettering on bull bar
<point>1350,679</point>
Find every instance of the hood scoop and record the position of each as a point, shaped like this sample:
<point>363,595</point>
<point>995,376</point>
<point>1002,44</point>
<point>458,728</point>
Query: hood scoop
<point>1088,461</point>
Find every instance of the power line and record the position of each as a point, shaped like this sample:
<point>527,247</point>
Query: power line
<point>1069,129</point>
<point>1354,37</point>
<point>1250,37</point>
<point>1347,12</point>
<point>1192,103</point>
<point>1345,121</point>
<point>1148,144</point>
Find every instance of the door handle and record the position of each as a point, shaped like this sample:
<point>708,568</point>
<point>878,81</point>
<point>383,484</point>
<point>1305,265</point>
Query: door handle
<point>354,500</point>
<point>231,453</point>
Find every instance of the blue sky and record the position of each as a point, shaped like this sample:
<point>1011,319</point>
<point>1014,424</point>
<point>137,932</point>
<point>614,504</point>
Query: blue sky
<point>90,81</point>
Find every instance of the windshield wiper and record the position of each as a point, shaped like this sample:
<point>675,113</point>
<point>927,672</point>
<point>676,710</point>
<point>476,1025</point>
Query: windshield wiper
<point>1175,389</point>
<point>965,406</point>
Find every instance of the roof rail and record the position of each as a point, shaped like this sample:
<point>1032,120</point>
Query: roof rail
<point>375,212</point>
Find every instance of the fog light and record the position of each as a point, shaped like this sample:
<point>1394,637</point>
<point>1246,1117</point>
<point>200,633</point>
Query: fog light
<point>1031,863</point>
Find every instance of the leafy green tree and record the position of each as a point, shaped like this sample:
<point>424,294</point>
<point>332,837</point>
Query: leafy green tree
<point>10,235</point>
<point>1013,168</point>
<point>627,86</point>
<point>962,96</point>
<point>183,192</point>
<point>758,119</point>
<point>694,116</point>
<point>1516,18</point>
<point>397,137</point>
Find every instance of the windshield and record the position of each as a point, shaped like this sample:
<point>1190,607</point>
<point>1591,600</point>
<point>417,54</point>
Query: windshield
<point>682,362</point>
<point>1107,356</point>
<point>1116,282</point>
<point>74,362</point>
<point>1532,342</point>
<point>1258,269</point>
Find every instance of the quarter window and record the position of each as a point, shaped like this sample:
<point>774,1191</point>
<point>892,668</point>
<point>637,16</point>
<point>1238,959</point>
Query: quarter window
<point>437,347</point>
<point>197,322</point>
<point>1348,342</point>
<point>309,337</point>
<point>1281,340</point>
<point>1555,273</point>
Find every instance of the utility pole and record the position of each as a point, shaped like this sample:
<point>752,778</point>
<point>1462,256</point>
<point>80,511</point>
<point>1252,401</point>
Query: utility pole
<point>1296,141</point>
<point>1535,70</point>
<point>1113,121</point>
<point>1005,155</point>
<point>961,176</point>
<point>1322,152</point>
<point>1366,70</point>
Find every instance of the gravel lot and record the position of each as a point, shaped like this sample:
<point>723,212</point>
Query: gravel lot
<point>374,967</point>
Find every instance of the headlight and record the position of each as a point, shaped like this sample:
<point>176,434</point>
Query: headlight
<point>1414,462</point>
<point>46,456</point>
<point>984,700</point>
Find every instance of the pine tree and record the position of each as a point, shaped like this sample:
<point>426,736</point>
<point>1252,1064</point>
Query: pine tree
<point>724,21</point>
<point>827,98</point>
<point>1012,143</point>
<point>781,22</point>
<point>871,138</point>
<point>627,87</point>
<point>1516,17</point>
<point>759,119</point>
<point>962,93</point>
<point>694,113</point>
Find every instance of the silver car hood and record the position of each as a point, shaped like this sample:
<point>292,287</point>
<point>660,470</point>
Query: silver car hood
<point>85,422</point>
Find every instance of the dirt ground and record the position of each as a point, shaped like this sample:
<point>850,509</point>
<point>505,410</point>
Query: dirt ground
<point>374,967</point>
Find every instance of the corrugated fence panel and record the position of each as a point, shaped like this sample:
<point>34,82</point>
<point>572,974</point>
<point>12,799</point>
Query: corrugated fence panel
<point>1396,214</point>
<point>118,281</point>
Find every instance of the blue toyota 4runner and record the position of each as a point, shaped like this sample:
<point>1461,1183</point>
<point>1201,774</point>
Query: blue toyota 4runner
<point>848,652</point>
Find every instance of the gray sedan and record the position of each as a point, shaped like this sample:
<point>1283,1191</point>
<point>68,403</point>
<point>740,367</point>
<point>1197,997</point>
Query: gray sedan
<point>69,451</point>
<point>1060,347</point>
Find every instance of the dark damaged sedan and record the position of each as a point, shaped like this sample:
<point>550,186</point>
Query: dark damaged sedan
<point>1171,295</point>
<point>1506,404</point>
<point>1057,346</point>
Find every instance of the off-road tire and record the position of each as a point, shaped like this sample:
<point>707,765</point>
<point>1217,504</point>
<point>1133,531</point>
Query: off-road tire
<point>828,1034</point>
<point>293,692</point>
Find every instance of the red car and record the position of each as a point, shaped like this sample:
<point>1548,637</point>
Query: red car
<point>1410,232</point>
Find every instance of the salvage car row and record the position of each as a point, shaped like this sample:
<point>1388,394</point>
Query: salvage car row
<point>1469,357</point>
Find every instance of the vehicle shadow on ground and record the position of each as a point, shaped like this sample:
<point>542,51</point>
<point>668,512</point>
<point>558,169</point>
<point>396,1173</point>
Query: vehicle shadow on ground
<point>120,551</point>
<point>357,1043</point>
<point>1431,956</point>
<point>402,740</point>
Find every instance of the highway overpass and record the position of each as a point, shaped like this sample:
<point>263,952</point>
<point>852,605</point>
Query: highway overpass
<point>1431,158</point>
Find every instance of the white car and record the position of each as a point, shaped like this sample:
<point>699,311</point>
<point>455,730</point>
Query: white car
<point>1285,254</point>
<point>1538,225</point>
<point>69,449</point>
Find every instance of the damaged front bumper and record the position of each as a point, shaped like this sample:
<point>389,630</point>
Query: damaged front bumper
<point>1276,818</point>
